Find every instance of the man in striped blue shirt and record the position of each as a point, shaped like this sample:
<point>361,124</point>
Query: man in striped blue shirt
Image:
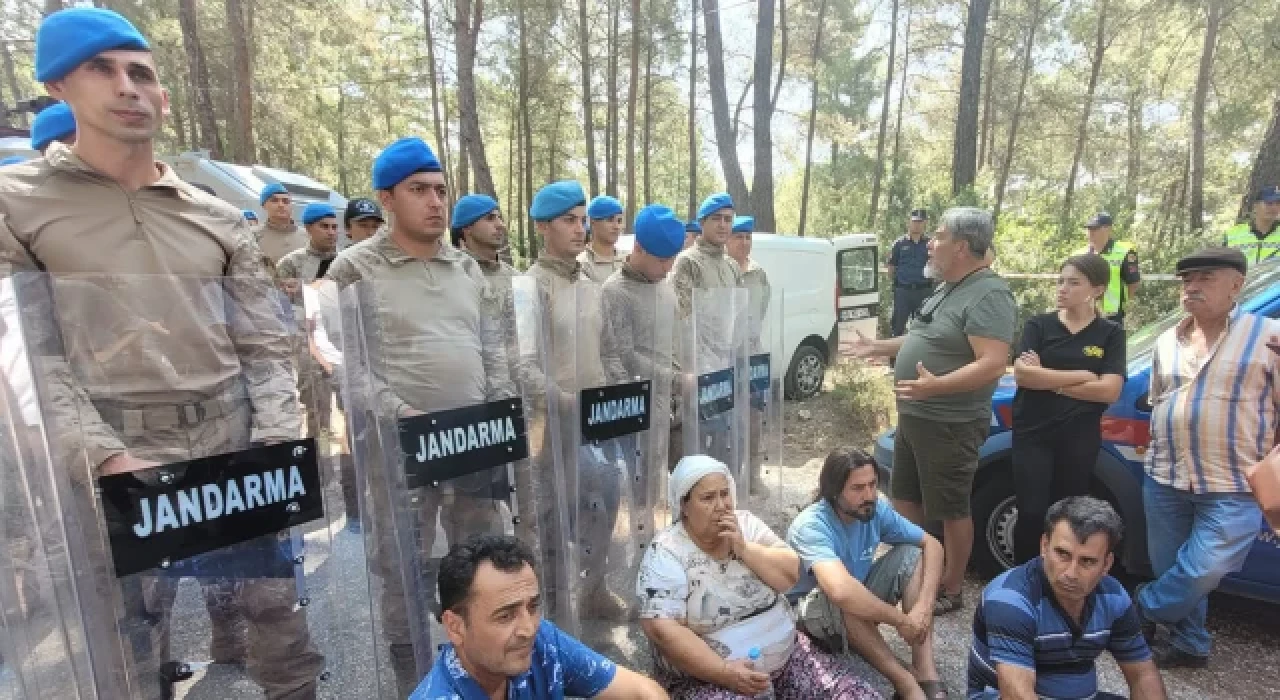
<point>1040,626</point>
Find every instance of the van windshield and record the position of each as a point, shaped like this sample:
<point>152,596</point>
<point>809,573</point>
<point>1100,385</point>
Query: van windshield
<point>1143,341</point>
<point>243,175</point>
<point>296,184</point>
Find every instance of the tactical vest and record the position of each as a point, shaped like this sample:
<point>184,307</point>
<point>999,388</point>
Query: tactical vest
<point>1117,292</point>
<point>1255,249</point>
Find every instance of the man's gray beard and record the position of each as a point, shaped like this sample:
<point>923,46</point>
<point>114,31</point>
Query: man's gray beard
<point>930,271</point>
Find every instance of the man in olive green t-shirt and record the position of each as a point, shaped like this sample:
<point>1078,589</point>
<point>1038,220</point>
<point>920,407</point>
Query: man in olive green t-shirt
<point>955,350</point>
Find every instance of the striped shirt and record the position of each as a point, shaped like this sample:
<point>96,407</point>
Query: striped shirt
<point>1019,622</point>
<point>1213,416</point>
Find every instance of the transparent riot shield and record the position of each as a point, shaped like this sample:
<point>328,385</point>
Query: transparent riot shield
<point>41,649</point>
<point>612,361</point>
<point>716,357</point>
<point>766,317</point>
<point>440,435</point>
<point>202,522</point>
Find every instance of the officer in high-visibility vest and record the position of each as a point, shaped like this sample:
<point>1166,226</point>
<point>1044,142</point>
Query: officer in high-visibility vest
<point>1259,238</point>
<point>1123,259</point>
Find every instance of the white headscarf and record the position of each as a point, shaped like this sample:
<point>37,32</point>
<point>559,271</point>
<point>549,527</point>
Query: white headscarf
<point>688,472</point>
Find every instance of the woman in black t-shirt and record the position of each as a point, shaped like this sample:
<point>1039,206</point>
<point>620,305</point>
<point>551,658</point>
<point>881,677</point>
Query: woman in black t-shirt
<point>1070,367</point>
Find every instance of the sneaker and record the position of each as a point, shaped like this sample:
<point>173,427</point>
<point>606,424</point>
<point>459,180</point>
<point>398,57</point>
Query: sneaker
<point>1168,656</point>
<point>947,603</point>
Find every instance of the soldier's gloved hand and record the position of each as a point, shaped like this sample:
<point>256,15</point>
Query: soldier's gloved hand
<point>123,463</point>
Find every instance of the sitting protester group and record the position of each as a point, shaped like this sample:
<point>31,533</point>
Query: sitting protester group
<point>733,611</point>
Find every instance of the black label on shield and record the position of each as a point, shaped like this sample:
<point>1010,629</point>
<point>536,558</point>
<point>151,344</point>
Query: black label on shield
<point>158,518</point>
<point>448,444</point>
<point>613,411</point>
<point>760,373</point>
<point>715,393</point>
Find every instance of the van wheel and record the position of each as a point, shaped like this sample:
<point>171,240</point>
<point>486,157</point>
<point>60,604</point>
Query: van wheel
<point>804,377</point>
<point>995,512</point>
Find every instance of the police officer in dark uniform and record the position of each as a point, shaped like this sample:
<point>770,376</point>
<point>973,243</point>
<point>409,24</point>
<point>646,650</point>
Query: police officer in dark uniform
<point>907,258</point>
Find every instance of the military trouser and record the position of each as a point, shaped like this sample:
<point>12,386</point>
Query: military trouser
<point>280,655</point>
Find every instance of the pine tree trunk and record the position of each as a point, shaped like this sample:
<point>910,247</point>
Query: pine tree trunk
<point>437,122</point>
<point>467,32</point>
<point>588,111</point>
<point>527,129</point>
<point>693,104</point>
<point>1133,169</point>
<point>964,158</point>
<point>1266,166</point>
<point>1007,161</point>
<point>1195,209</point>
<point>342,145</point>
<point>783,29</point>
<point>902,94</point>
<point>1095,68</point>
<point>647,142</point>
<point>203,97</point>
<point>986,131</point>
<point>762,126</point>
<point>884,119</point>
<point>612,126</point>
<point>242,68</point>
<point>633,93</point>
<point>11,76</point>
<point>726,146</point>
<point>813,117</point>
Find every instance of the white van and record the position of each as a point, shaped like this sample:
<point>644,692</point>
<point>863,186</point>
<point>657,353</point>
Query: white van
<point>240,185</point>
<point>832,289</point>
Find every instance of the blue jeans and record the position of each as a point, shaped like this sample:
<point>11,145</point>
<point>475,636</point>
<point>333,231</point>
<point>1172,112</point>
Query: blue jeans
<point>1194,540</point>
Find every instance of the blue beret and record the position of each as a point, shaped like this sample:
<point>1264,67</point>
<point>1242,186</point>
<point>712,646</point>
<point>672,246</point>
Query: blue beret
<point>72,36</point>
<point>603,207</point>
<point>693,227</point>
<point>744,224</point>
<point>12,160</point>
<point>250,215</point>
<point>316,211</point>
<point>557,198</point>
<point>470,208</point>
<point>659,232</point>
<point>714,203</point>
<point>401,159</point>
<point>271,190</point>
<point>52,123</point>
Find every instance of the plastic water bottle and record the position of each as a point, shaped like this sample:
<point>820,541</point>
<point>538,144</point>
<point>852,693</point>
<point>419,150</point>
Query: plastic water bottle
<point>754,655</point>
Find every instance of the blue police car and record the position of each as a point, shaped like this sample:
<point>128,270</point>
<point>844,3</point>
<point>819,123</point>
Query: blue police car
<point>1118,473</point>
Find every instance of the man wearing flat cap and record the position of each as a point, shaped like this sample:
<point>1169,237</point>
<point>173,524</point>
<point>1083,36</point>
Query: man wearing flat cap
<point>905,264</point>
<point>157,332</point>
<point>1126,274</point>
<point>279,235</point>
<point>53,123</point>
<point>1259,237</point>
<point>433,324</point>
<point>600,258</point>
<point>632,301</point>
<point>1215,404</point>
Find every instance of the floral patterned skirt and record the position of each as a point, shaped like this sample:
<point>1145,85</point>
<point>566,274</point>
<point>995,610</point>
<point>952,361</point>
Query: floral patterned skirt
<point>810,674</point>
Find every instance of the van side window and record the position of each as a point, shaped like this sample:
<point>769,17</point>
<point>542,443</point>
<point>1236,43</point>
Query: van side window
<point>857,271</point>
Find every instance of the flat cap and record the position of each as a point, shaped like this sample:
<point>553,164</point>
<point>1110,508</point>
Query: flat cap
<point>1212,258</point>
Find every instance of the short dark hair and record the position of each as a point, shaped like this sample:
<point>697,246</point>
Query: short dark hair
<point>458,568</point>
<point>455,236</point>
<point>1086,516</point>
<point>836,469</point>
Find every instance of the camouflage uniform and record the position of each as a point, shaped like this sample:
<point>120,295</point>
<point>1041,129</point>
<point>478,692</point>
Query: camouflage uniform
<point>434,342</point>
<point>598,268</point>
<point>758,293</point>
<point>277,242</point>
<point>140,281</point>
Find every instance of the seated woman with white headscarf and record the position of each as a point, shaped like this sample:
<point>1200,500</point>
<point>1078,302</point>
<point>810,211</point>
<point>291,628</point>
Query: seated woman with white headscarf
<point>711,602</point>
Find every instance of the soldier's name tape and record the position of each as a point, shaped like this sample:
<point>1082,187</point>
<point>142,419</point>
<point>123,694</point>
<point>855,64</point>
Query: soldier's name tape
<point>161,516</point>
<point>613,411</point>
<point>760,373</point>
<point>715,393</point>
<point>448,444</point>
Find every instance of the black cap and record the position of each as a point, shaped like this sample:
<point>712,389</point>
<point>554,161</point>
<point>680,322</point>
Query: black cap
<point>1268,194</point>
<point>919,214</point>
<point>362,208</point>
<point>1100,219</point>
<point>1212,258</point>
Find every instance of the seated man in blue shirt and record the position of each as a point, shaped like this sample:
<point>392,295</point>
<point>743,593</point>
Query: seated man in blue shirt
<point>500,647</point>
<point>844,592</point>
<point>1040,626</point>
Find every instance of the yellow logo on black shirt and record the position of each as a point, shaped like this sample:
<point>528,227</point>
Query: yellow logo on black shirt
<point>1093,351</point>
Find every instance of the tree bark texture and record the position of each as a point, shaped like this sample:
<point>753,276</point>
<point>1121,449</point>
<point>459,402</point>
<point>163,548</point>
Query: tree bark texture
<point>884,118</point>
<point>1082,131</point>
<point>761,202</point>
<point>242,68</point>
<point>693,111</point>
<point>203,97</point>
<point>1266,166</point>
<point>1195,207</point>
<point>1015,120</point>
<point>633,90</point>
<point>588,110</point>
<point>813,116</point>
<point>902,94</point>
<point>964,157</point>
<point>986,130</point>
<point>437,122</point>
<point>467,32</point>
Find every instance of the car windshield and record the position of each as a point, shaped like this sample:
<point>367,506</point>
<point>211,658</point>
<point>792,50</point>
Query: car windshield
<point>1142,341</point>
